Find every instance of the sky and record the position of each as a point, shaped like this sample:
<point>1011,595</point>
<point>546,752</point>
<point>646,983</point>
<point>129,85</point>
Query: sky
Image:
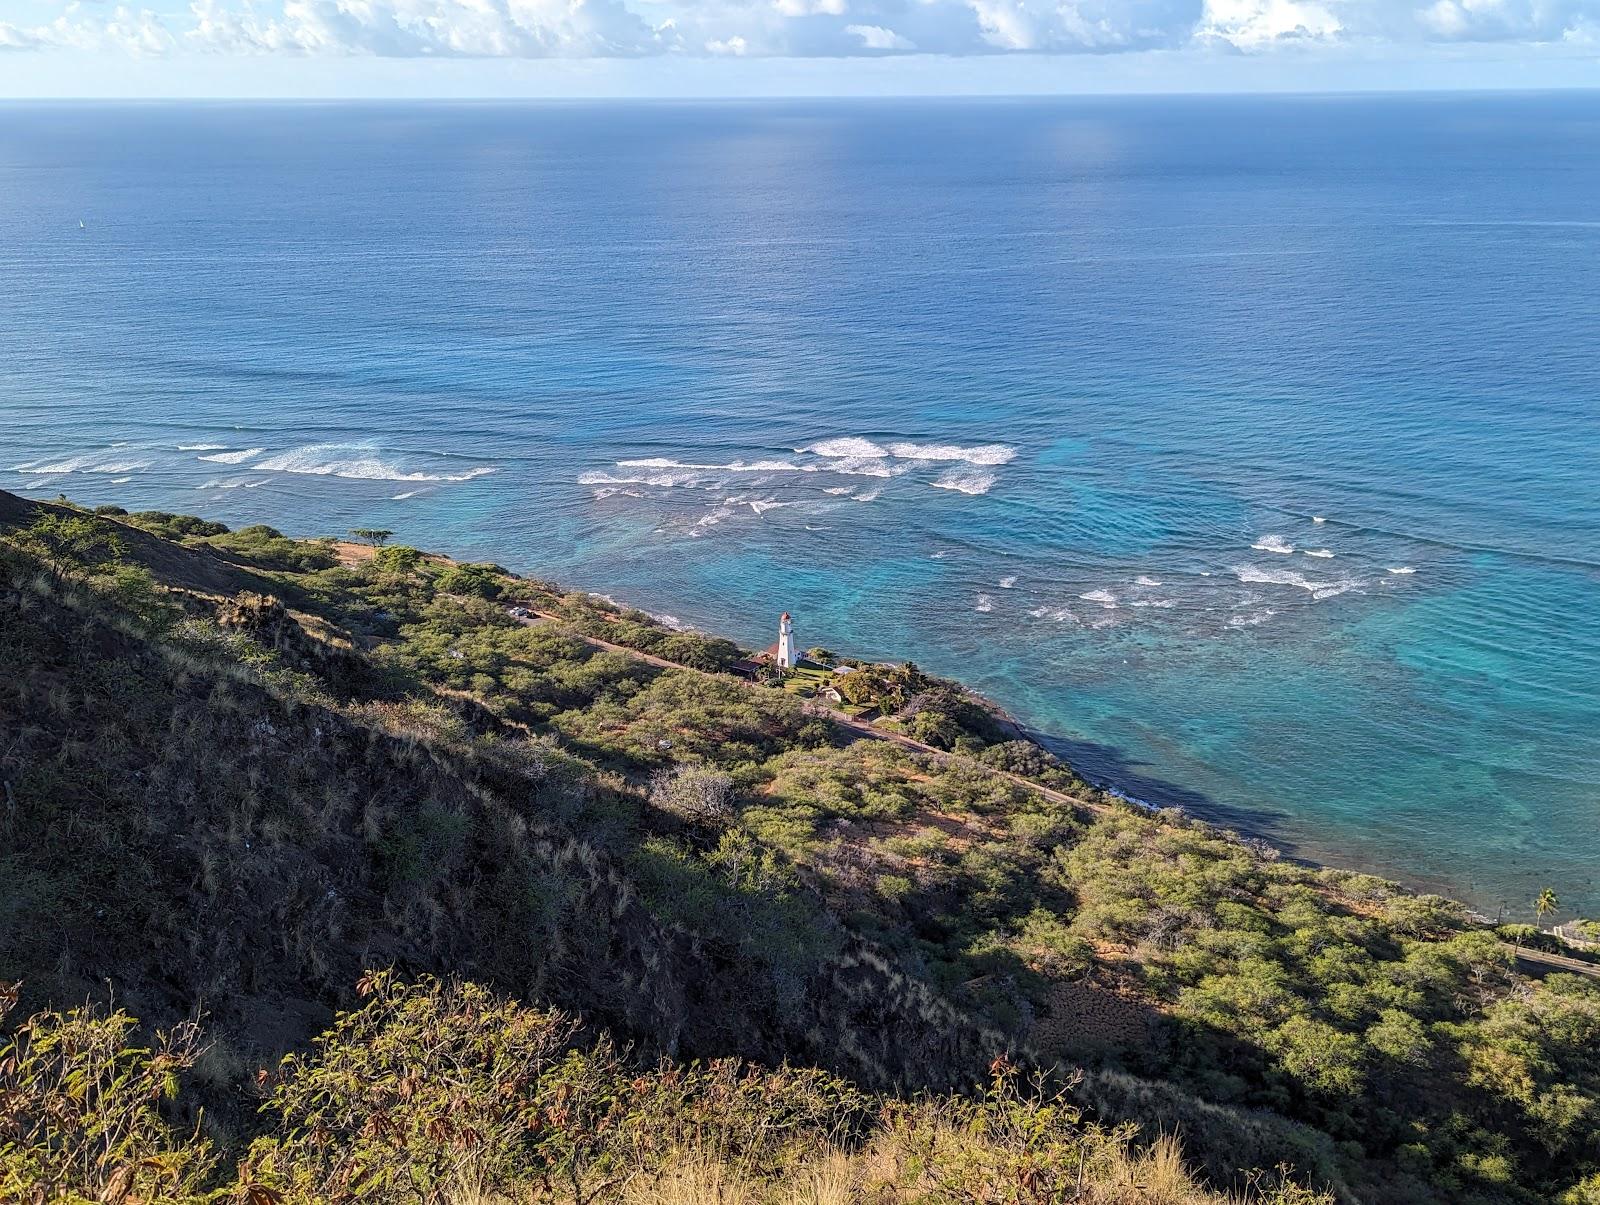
<point>714,48</point>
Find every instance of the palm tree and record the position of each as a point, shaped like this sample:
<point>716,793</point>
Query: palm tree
<point>1546,903</point>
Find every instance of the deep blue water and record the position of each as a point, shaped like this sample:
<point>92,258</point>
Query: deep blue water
<point>1140,345</point>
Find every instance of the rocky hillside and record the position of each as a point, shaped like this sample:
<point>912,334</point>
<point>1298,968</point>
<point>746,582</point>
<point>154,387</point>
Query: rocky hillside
<point>239,772</point>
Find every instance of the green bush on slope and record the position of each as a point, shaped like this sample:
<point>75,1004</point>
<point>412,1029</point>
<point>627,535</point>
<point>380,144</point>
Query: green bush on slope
<point>1323,1018</point>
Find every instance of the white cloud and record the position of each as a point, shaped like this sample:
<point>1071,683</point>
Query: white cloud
<point>876,37</point>
<point>131,32</point>
<point>580,29</point>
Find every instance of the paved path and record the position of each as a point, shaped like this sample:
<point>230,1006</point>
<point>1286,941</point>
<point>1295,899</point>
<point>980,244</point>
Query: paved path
<point>1555,962</point>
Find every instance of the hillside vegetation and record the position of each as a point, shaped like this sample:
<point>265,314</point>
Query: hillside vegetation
<point>241,775</point>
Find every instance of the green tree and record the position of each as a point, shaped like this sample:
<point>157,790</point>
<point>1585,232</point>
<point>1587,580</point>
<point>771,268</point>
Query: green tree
<point>376,536</point>
<point>399,559</point>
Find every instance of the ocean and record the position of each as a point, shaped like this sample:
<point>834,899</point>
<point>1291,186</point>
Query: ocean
<point>1247,449</point>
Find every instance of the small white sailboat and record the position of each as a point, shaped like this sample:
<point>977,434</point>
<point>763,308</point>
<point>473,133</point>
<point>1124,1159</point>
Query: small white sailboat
<point>81,226</point>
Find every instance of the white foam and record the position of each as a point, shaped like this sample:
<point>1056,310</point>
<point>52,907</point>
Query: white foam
<point>201,447</point>
<point>849,448</point>
<point>869,496</point>
<point>737,466</point>
<point>121,480</point>
<point>1318,519</point>
<point>985,604</point>
<point>1403,569</point>
<point>989,454</point>
<point>966,481</point>
<point>1273,544</point>
<point>1007,582</point>
<point>863,466</point>
<point>1054,614</point>
<point>1250,620</point>
<point>404,494</point>
<point>1145,581</point>
<point>664,480</point>
<point>1162,603</point>
<point>839,490</point>
<point>1317,552</point>
<point>763,505</point>
<point>1104,597</point>
<point>1331,591</point>
<point>1273,577</point>
<point>90,462</point>
<point>233,457</point>
<point>338,460</point>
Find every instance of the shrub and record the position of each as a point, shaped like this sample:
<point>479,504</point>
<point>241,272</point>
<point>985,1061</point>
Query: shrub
<point>696,792</point>
<point>80,1111</point>
<point>174,527</point>
<point>479,581</point>
<point>397,558</point>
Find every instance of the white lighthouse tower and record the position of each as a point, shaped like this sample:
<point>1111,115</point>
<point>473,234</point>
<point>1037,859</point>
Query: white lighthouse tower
<point>786,658</point>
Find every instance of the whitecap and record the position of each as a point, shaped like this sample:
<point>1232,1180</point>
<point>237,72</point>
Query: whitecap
<point>869,496</point>
<point>863,466</point>
<point>839,490</point>
<point>1331,591</point>
<point>1162,603</point>
<point>1273,544</point>
<point>91,462</point>
<point>1054,614</point>
<point>664,480</point>
<point>987,454</point>
<point>232,457</point>
<point>966,481</point>
<point>849,447</point>
<point>1104,597</point>
<point>1145,581</point>
<point>121,480</point>
<point>737,466</point>
<point>1250,620</point>
<point>1007,582</point>
<point>201,447</point>
<point>340,460</point>
<point>1403,569</point>
<point>1318,519</point>
<point>404,494</point>
<point>763,505</point>
<point>1273,577</point>
<point>985,604</point>
<point>1317,552</point>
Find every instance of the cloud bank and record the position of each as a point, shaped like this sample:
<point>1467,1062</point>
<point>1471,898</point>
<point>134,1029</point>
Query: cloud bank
<point>580,29</point>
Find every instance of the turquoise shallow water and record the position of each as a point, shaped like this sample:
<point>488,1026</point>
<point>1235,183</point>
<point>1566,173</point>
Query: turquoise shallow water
<point>1049,396</point>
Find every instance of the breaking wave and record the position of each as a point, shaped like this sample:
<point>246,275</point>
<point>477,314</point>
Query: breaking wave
<point>966,481</point>
<point>337,460</point>
<point>985,604</point>
<point>1273,544</point>
<point>990,454</point>
<point>232,457</point>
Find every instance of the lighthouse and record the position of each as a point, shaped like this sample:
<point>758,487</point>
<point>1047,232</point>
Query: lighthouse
<point>786,658</point>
